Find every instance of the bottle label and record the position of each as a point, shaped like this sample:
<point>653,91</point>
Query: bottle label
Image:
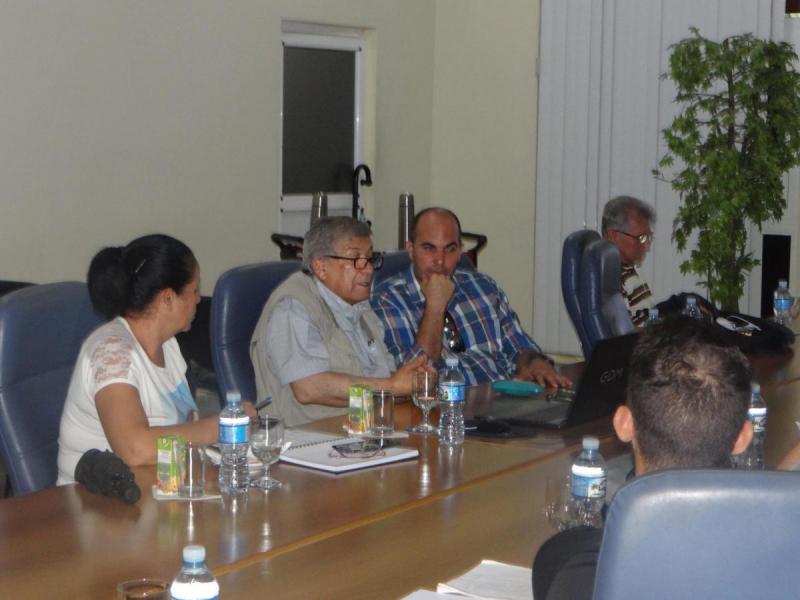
<point>588,482</point>
<point>451,392</point>
<point>234,430</point>
<point>783,304</point>
<point>189,590</point>
<point>758,417</point>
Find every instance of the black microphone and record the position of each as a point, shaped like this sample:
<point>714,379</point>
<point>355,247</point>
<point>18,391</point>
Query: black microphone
<point>105,473</point>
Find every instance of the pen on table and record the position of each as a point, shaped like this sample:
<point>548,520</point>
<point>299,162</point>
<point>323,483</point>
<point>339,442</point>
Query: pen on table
<point>263,403</point>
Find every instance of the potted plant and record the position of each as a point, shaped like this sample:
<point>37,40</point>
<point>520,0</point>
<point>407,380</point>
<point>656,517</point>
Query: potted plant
<point>737,133</point>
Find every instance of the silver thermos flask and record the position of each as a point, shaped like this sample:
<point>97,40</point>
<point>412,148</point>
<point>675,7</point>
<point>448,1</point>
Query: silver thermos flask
<point>405,219</point>
<point>319,206</point>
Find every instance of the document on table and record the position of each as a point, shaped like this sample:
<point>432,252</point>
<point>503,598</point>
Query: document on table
<point>489,580</point>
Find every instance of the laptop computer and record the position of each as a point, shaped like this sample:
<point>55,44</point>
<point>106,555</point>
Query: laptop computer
<point>599,392</point>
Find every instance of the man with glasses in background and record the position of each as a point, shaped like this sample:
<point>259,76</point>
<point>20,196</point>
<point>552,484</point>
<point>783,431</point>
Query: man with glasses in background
<point>437,310</point>
<point>317,334</point>
<point>627,223</point>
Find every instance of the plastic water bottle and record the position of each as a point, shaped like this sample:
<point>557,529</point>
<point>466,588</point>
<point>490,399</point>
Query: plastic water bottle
<point>451,404</point>
<point>194,581</point>
<point>782,302</point>
<point>691,309</point>
<point>653,318</point>
<point>234,435</point>
<point>589,476</point>
<point>753,458</point>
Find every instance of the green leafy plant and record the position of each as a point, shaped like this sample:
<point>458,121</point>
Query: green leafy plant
<point>737,133</point>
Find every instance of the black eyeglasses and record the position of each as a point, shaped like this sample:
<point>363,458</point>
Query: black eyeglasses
<point>642,239</point>
<point>360,262</point>
<point>452,338</point>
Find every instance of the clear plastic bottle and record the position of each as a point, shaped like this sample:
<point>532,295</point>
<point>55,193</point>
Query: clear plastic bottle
<point>194,581</point>
<point>691,309</point>
<point>589,476</point>
<point>753,458</point>
<point>653,318</point>
<point>234,435</point>
<point>782,302</point>
<point>451,404</point>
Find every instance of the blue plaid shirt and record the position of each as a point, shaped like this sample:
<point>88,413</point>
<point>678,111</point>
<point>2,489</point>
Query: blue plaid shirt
<point>489,327</point>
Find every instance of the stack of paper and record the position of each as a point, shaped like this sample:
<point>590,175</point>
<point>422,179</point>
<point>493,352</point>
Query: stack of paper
<point>489,580</point>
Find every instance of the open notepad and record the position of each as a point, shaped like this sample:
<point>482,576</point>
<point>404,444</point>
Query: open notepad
<point>315,450</point>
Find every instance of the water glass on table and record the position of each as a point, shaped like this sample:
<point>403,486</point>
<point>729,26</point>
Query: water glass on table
<point>424,394</point>
<point>558,505</point>
<point>382,413</point>
<point>266,442</point>
<point>193,471</point>
<point>143,589</point>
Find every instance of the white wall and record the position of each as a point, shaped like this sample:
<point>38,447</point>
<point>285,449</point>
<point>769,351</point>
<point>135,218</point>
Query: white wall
<point>484,132</point>
<point>122,117</point>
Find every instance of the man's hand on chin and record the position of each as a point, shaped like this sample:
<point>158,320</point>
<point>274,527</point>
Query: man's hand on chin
<point>438,288</point>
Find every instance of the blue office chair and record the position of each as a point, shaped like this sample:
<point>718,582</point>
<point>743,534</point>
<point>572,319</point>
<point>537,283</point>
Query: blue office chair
<point>394,262</point>
<point>571,257</point>
<point>603,309</point>
<point>702,534</point>
<point>236,306</point>
<point>41,331</point>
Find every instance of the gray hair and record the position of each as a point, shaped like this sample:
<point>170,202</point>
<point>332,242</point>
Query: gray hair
<point>325,233</point>
<point>618,211</point>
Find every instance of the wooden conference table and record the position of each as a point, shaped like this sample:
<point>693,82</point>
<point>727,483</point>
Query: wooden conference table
<point>379,532</point>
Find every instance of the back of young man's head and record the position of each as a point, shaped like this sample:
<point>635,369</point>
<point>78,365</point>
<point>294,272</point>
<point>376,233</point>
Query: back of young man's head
<point>688,393</point>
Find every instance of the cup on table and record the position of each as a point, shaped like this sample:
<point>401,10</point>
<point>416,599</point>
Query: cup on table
<point>143,589</point>
<point>558,506</point>
<point>193,471</point>
<point>382,412</point>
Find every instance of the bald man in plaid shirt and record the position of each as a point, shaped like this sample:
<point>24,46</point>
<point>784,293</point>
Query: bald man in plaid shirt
<point>433,308</point>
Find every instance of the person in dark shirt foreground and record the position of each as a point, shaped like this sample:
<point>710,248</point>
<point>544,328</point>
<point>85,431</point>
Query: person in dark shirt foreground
<point>687,398</point>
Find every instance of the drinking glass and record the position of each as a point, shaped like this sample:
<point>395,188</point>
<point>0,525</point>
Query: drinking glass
<point>266,442</point>
<point>423,393</point>
<point>558,506</point>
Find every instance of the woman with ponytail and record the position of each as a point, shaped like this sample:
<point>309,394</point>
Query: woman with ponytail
<point>129,384</point>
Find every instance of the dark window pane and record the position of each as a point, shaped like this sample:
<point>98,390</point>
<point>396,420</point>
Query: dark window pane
<point>318,114</point>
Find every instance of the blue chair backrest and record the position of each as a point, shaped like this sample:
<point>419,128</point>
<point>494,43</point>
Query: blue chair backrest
<point>397,261</point>
<point>237,303</point>
<point>571,257</point>
<point>41,331</point>
<point>702,534</point>
<point>603,309</point>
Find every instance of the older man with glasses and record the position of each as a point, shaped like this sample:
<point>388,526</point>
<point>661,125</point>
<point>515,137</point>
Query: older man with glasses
<point>318,334</point>
<point>440,311</point>
<point>627,223</point>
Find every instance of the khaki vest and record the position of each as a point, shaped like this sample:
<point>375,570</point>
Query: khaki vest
<point>343,358</point>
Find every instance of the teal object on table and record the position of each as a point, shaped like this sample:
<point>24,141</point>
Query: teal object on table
<point>518,388</point>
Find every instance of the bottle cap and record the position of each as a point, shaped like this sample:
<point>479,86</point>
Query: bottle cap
<point>451,362</point>
<point>590,442</point>
<point>755,388</point>
<point>233,397</point>
<point>652,313</point>
<point>194,553</point>
<point>691,299</point>
<point>782,283</point>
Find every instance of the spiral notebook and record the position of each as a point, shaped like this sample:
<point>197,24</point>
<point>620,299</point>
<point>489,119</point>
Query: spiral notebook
<point>315,450</point>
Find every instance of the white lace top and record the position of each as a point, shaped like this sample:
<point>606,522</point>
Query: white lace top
<point>111,354</point>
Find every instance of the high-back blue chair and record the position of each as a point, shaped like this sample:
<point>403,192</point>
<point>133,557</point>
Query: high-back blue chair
<point>394,262</point>
<point>42,328</point>
<point>603,309</point>
<point>236,306</point>
<point>571,257</point>
<point>702,534</point>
